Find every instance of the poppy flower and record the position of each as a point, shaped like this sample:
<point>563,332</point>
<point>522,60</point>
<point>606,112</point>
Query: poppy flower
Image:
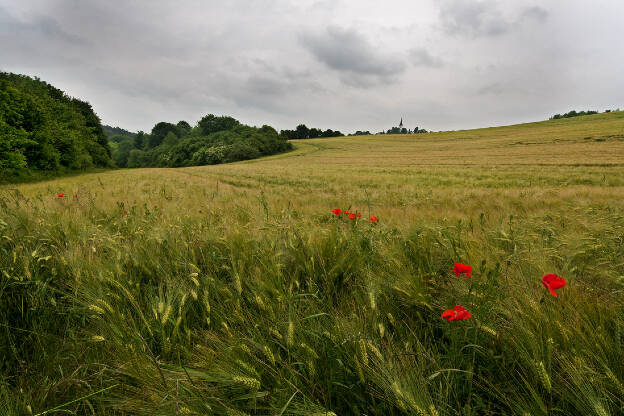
<point>359,215</point>
<point>336,211</point>
<point>75,196</point>
<point>462,268</point>
<point>553,282</point>
<point>373,218</point>
<point>458,313</point>
<point>346,212</point>
<point>351,216</point>
<point>448,314</point>
<point>462,313</point>
<point>60,195</point>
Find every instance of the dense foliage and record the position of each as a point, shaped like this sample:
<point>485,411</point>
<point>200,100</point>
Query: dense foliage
<point>303,132</point>
<point>117,134</point>
<point>43,129</point>
<point>212,141</point>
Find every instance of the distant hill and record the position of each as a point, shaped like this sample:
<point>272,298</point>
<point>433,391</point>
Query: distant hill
<point>43,129</point>
<point>117,134</point>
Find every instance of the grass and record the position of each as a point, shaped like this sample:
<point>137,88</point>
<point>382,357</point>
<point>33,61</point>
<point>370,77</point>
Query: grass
<point>234,290</point>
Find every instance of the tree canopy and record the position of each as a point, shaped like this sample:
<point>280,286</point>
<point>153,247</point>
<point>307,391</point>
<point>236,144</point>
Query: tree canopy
<point>43,129</point>
<point>213,140</point>
<point>303,132</point>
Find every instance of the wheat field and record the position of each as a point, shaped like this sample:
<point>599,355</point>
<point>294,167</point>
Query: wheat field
<point>233,289</point>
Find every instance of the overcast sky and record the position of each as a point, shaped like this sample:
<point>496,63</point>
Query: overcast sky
<point>340,64</point>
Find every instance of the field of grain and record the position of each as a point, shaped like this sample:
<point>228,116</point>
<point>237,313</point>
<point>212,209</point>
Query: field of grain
<point>233,289</point>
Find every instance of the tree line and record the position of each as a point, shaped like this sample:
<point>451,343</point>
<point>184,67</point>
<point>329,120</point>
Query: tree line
<point>213,140</point>
<point>45,132</point>
<point>43,129</point>
<point>403,130</point>
<point>303,132</point>
<point>575,113</point>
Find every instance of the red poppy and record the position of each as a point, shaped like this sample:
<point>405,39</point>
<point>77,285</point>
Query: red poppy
<point>346,212</point>
<point>458,313</point>
<point>60,195</point>
<point>359,215</point>
<point>462,313</point>
<point>553,282</point>
<point>448,314</point>
<point>351,216</point>
<point>373,218</point>
<point>462,268</point>
<point>336,211</point>
<point>75,196</point>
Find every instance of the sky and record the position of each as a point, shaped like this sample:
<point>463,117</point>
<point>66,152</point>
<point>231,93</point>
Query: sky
<point>340,64</point>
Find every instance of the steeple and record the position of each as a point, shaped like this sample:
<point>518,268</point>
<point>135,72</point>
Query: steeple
<point>401,123</point>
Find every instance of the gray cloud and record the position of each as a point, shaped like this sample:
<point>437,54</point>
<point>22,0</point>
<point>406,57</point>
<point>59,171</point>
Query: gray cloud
<point>341,64</point>
<point>473,18</point>
<point>41,27</point>
<point>535,13</point>
<point>422,57</point>
<point>346,50</point>
<point>483,17</point>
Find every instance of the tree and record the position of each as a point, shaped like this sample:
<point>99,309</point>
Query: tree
<point>122,152</point>
<point>237,142</point>
<point>170,139</point>
<point>11,147</point>
<point>140,140</point>
<point>41,128</point>
<point>159,131</point>
<point>302,132</point>
<point>183,128</point>
<point>314,133</point>
<point>211,124</point>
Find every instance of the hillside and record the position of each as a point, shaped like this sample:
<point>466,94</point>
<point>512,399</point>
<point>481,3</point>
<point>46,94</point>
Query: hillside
<point>116,134</point>
<point>234,289</point>
<point>43,129</point>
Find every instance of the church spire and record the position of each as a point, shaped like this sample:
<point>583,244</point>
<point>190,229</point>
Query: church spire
<point>401,123</point>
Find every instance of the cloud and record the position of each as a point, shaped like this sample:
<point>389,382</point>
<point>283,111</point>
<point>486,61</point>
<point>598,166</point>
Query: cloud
<point>472,18</point>
<point>422,57</point>
<point>483,18</point>
<point>440,63</point>
<point>41,27</point>
<point>351,54</point>
<point>535,13</point>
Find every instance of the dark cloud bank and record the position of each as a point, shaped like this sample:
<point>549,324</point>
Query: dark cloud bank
<point>348,65</point>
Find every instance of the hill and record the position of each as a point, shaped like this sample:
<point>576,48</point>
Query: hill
<point>43,129</point>
<point>234,289</point>
<point>117,134</point>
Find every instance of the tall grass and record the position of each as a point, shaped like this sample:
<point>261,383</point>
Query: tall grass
<point>190,292</point>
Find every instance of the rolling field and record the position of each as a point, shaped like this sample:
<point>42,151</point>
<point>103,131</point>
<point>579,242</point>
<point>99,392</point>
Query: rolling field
<point>233,289</point>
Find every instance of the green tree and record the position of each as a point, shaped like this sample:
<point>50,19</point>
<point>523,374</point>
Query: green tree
<point>44,129</point>
<point>122,152</point>
<point>183,128</point>
<point>140,140</point>
<point>302,132</point>
<point>159,131</point>
<point>211,124</point>
<point>170,140</point>
<point>12,142</point>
